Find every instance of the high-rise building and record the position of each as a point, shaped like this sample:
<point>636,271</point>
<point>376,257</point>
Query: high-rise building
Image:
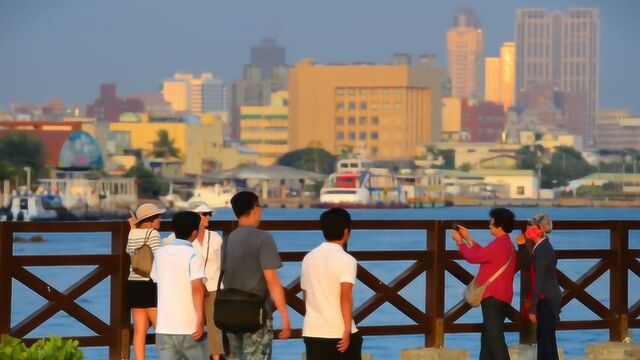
<point>508,75</point>
<point>264,129</point>
<point>465,48</point>
<point>385,111</point>
<point>266,74</point>
<point>492,81</point>
<point>500,77</point>
<point>186,93</point>
<point>562,50</point>
<point>268,55</point>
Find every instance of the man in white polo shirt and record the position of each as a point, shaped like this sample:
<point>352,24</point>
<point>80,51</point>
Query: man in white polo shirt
<point>327,280</point>
<point>179,271</point>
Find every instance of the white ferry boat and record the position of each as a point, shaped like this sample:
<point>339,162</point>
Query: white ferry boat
<point>357,184</point>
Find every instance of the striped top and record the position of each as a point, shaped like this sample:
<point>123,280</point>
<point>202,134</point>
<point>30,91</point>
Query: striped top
<point>135,241</point>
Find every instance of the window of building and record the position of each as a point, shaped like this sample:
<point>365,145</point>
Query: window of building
<point>374,135</point>
<point>340,135</point>
<point>375,106</point>
<point>352,120</point>
<point>398,91</point>
<point>520,190</point>
<point>374,91</point>
<point>362,120</point>
<point>385,106</point>
<point>340,106</point>
<point>398,106</point>
<point>363,106</point>
<point>352,135</point>
<point>339,120</point>
<point>363,135</point>
<point>363,92</point>
<point>351,91</point>
<point>375,120</point>
<point>339,91</point>
<point>386,91</point>
<point>374,151</point>
<point>352,106</point>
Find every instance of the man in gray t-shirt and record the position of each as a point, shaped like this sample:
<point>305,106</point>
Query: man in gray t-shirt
<point>250,260</point>
<point>249,252</point>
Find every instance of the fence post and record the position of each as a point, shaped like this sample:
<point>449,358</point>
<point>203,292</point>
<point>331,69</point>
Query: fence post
<point>6,254</point>
<point>434,336</point>
<point>120,317</point>
<point>619,282</point>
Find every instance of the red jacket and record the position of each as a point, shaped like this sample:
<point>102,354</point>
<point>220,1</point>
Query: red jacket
<point>491,258</point>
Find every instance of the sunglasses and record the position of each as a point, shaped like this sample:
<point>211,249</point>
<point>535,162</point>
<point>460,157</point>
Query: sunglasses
<point>208,213</point>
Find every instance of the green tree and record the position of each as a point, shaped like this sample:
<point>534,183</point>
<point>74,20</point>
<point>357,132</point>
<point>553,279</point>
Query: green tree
<point>529,156</point>
<point>466,167</point>
<point>17,151</point>
<point>566,164</point>
<point>164,146</point>
<point>150,186</point>
<point>310,159</point>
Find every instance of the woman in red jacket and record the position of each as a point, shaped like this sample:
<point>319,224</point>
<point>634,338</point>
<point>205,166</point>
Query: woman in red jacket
<point>498,294</point>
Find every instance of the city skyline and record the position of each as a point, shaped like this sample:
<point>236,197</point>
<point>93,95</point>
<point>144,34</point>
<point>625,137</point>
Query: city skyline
<point>69,53</point>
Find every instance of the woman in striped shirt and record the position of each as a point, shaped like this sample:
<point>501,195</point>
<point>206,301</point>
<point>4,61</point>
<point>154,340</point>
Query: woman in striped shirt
<point>142,294</point>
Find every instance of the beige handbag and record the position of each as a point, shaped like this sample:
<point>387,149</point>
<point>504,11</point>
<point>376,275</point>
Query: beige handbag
<point>473,293</point>
<point>142,258</point>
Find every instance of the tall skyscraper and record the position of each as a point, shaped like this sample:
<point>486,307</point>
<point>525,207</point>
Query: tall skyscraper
<point>562,50</point>
<point>500,77</point>
<point>266,74</point>
<point>267,55</point>
<point>465,47</point>
<point>492,80</point>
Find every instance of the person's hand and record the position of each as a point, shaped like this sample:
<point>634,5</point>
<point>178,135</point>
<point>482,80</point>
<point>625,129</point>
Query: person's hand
<point>196,335</point>
<point>464,233</point>
<point>533,318</point>
<point>285,333</point>
<point>521,240</point>
<point>343,344</point>
<point>132,222</point>
<point>456,237</point>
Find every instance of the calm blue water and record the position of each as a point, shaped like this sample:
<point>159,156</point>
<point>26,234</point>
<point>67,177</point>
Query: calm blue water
<point>25,301</point>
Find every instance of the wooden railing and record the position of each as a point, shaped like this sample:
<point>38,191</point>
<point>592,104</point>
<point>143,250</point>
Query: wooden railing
<point>434,261</point>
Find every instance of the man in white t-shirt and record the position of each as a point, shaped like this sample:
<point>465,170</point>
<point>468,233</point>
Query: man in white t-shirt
<point>327,280</point>
<point>179,271</point>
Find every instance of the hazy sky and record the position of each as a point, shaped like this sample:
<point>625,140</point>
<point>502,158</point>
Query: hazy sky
<point>66,48</point>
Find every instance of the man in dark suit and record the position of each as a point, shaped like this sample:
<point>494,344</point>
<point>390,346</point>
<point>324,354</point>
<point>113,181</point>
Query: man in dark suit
<point>543,300</point>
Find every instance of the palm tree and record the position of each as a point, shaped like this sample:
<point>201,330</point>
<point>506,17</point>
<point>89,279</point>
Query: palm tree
<point>164,147</point>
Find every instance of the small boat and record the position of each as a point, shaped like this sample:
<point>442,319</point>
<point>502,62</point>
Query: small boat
<point>27,206</point>
<point>356,183</point>
<point>216,196</point>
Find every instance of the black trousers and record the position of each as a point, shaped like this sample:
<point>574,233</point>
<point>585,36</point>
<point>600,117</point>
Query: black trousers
<point>327,349</point>
<point>492,343</point>
<point>546,332</point>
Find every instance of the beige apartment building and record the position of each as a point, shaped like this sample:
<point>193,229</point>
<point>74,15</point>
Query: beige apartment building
<point>384,111</point>
<point>265,129</point>
<point>617,130</point>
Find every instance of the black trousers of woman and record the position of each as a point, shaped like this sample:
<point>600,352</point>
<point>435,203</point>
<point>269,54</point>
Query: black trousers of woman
<point>546,332</point>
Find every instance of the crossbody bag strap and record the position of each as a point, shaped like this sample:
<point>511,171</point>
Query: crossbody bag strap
<point>224,253</point>
<point>502,269</point>
<point>206,258</point>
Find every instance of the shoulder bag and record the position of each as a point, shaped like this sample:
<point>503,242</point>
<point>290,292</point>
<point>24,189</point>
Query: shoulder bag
<point>473,293</point>
<point>237,311</point>
<point>142,258</point>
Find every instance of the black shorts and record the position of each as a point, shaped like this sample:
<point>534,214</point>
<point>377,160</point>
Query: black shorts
<point>324,349</point>
<point>142,294</point>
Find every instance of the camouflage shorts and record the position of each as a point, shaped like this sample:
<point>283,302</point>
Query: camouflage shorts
<point>252,346</point>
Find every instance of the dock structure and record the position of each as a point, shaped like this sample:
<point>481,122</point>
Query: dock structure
<point>431,320</point>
